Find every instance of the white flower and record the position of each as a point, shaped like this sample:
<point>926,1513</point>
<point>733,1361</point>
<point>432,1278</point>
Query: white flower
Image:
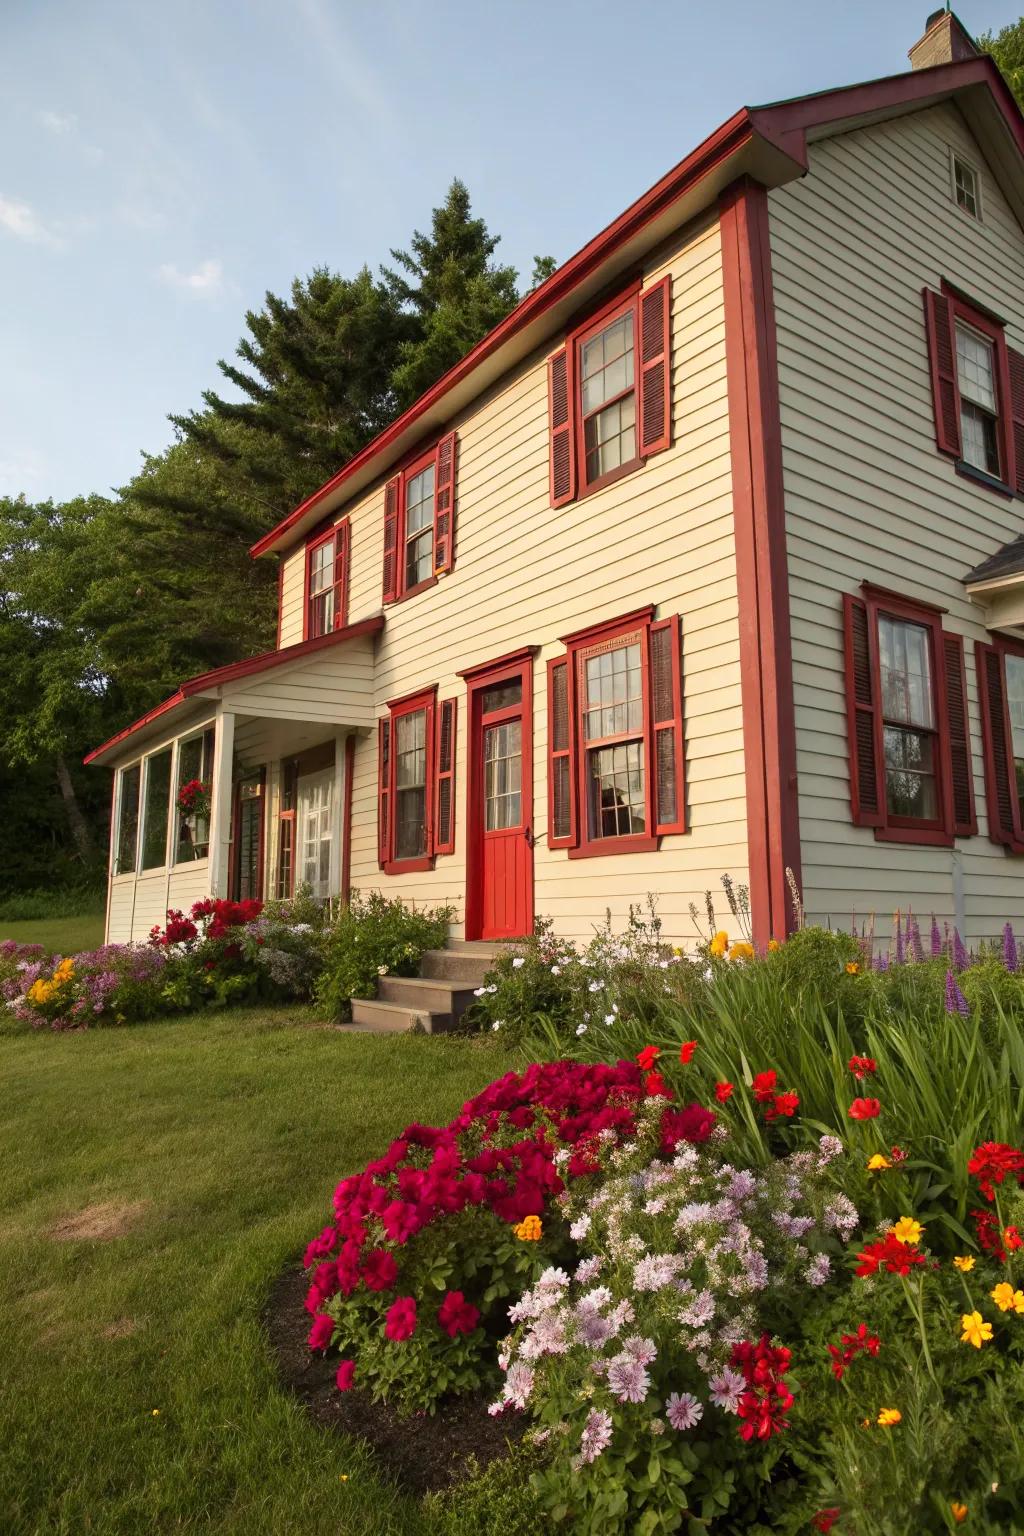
<point>683,1410</point>
<point>518,963</point>
<point>492,989</point>
<point>479,991</point>
<point>382,970</point>
<point>579,1228</point>
<point>556,970</point>
<point>609,1018</point>
<point>496,1025</point>
<point>663,965</point>
<point>581,1029</point>
<point>595,986</point>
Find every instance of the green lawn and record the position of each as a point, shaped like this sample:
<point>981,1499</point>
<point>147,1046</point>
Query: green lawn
<point>227,1134</point>
<point>60,935</point>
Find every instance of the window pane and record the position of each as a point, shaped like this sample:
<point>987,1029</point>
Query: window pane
<point>905,661</point>
<point>607,363</point>
<point>610,437</point>
<point>910,774</point>
<point>1015,700</point>
<point>502,696</point>
<point>503,776</point>
<point>975,364</point>
<point>314,819</point>
<point>419,558</point>
<point>980,438</point>
<point>128,820</point>
<point>411,785</point>
<point>158,795</point>
<point>616,790</point>
<point>614,693</point>
<point>195,763</point>
<point>966,187</point>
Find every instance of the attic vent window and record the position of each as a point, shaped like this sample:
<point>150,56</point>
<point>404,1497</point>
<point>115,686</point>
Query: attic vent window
<point>966,188</point>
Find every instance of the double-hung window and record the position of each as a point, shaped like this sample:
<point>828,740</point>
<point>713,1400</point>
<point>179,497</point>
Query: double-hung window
<point>977,391</point>
<point>415,799</point>
<point>608,398</point>
<point>327,561</point>
<point>911,776</point>
<point>966,186</point>
<point>419,521</point>
<point>615,737</point>
<point>1000,666</point>
<point>128,799</point>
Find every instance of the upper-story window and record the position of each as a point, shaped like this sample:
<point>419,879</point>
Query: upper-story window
<point>966,186</point>
<point>327,560</point>
<point>609,393</point>
<point>977,390</point>
<point>419,522</point>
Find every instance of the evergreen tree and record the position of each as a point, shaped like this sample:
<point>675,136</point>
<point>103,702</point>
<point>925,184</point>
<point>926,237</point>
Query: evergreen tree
<point>1007,48</point>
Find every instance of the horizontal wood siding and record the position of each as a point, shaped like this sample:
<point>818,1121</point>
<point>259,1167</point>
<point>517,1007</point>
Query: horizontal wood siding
<point>868,496</point>
<point>293,583</point>
<point>525,574</point>
<point>336,686</point>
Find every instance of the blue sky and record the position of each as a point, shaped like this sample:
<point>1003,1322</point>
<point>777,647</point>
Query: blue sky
<point>164,162</point>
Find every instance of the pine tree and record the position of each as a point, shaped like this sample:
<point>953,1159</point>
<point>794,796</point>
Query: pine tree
<point>1007,48</point>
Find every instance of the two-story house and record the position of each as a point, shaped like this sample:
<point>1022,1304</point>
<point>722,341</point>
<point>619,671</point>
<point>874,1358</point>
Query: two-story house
<point>708,558</point>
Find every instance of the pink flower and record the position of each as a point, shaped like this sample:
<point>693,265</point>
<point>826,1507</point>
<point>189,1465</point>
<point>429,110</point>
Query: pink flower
<point>400,1322</point>
<point>322,1331</point>
<point>380,1270</point>
<point>457,1315</point>
<point>346,1375</point>
<point>401,1221</point>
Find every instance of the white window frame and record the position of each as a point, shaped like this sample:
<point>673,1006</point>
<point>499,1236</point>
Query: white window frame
<point>326,777</point>
<point>955,159</point>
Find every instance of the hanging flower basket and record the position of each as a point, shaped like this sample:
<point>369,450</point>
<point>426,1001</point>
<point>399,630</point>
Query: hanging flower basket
<point>194,799</point>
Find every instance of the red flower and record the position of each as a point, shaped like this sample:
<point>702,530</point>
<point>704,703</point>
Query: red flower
<point>762,1414</point>
<point>1013,1239</point>
<point>380,1270</point>
<point>647,1057</point>
<point>992,1162</point>
<point>783,1104</point>
<point>457,1315</point>
<point>826,1519</point>
<point>401,1221</point>
<point>897,1154</point>
<point>322,1331</point>
<point>400,1323</point>
<point>859,1065</point>
<point>864,1109</point>
<point>898,1258</point>
<point>346,1375</point>
<point>862,1340</point>
<point>686,1051</point>
<point>655,1083</point>
<point>693,1123</point>
<point>764,1086</point>
<point>723,1091</point>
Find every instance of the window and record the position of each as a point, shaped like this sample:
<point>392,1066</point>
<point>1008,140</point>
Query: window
<point>419,522</point>
<point>316,832</point>
<point>977,391</point>
<point>192,797</point>
<point>247,853</point>
<point>966,187</point>
<point>415,788</point>
<point>286,829</point>
<point>128,820</point>
<point>911,776</point>
<point>1001,691</point>
<point>327,582</point>
<point>609,393</point>
<point>157,791</point>
<point>615,769</point>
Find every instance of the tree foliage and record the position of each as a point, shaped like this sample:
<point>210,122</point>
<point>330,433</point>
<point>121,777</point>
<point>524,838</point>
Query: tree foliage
<point>1007,48</point>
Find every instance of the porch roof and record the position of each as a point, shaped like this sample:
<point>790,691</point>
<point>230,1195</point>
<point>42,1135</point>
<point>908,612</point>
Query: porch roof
<point>240,683</point>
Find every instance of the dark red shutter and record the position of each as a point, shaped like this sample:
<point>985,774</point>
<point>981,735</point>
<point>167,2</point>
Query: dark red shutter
<point>561,768</point>
<point>965,821</point>
<point>342,535</point>
<point>938,315</point>
<point>444,504</point>
<point>1016,366</point>
<point>383,791</point>
<point>666,693</point>
<point>562,427</point>
<point>655,370</point>
<point>864,719</point>
<point>444,819</point>
<point>999,785</point>
<point>391,508</point>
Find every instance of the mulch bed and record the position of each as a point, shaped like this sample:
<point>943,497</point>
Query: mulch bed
<point>423,1453</point>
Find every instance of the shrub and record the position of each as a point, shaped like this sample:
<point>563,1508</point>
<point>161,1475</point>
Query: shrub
<point>115,984</point>
<point>500,1497</point>
<point>374,937</point>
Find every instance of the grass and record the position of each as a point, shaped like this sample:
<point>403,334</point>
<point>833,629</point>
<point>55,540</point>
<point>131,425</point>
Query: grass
<point>228,1132</point>
<point>59,935</point>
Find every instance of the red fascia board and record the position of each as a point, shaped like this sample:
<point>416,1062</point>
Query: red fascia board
<point>239,669</point>
<point>725,141</point>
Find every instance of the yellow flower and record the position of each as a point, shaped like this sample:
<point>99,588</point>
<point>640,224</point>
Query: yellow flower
<point>742,951</point>
<point>773,945</point>
<point>719,944</point>
<point>889,1416</point>
<point>907,1230</point>
<point>959,1512</point>
<point>156,1413</point>
<point>852,967</point>
<point>529,1229</point>
<point>877,1162</point>
<point>1007,1299</point>
<point>976,1330</point>
<point>343,1477</point>
<point>964,1262</point>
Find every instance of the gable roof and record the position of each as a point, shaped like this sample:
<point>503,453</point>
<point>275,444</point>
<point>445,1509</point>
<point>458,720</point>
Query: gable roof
<point>1008,561</point>
<point>769,143</point>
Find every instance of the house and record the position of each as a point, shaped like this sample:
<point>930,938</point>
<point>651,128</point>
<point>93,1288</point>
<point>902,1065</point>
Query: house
<point>709,558</point>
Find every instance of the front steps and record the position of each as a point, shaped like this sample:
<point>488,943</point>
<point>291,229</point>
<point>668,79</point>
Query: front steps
<point>433,1001</point>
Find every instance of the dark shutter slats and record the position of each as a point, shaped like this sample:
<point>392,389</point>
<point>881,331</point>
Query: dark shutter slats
<point>961,769</point>
<point>444,504</point>
<point>391,540</point>
<point>561,778</point>
<point>1016,365</point>
<point>561,428</point>
<point>655,393</point>
<point>864,729</point>
<point>666,693</point>
<point>383,791</point>
<point>938,313</point>
<point>444,820</point>
<point>999,789</point>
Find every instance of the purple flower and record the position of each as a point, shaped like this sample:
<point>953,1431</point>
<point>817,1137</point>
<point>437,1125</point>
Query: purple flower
<point>683,1410</point>
<point>961,959</point>
<point>936,939</point>
<point>628,1379</point>
<point>901,953</point>
<point>654,1272</point>
<point>592,1329</point>
<point>914,937</point>
<point>640,1350</point>
<point>727,1389</point>
<point>700,1310</point>
<point>818,1270</point>
<point>881,962</point>
<point>1009,948</point>
<point>597,1434</point>
<point>955,1000</point>
<point>518,1384</point>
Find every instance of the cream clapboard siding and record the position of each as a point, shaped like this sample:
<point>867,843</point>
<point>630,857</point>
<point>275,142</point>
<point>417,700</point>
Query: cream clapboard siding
<point>867,494</point>
<point>293,582</point>
<point>526,574</point>
<point>334,686</point>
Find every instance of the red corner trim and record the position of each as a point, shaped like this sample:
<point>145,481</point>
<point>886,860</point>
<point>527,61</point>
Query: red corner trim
<point>766,667</point>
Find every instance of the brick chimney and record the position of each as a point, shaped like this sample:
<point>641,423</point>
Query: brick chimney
<point>945,41</point>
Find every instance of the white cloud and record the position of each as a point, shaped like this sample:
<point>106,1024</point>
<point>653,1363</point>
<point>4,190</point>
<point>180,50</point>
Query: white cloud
<point>207,278</point>
<point>24,223</point>
<point>59,122</point>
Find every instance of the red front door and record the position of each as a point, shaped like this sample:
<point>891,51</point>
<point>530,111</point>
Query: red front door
<point>499,898</point>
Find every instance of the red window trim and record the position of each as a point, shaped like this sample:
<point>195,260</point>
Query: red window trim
<point>411,704</point>
<point>339,536</point>
<point>598,323</point>
<point>442,453</point>
<point>1012,838</point>
<point>975,315</point>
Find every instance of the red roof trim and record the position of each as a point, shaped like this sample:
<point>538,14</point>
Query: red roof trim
<point>724,142</point>
<point>239,669</point>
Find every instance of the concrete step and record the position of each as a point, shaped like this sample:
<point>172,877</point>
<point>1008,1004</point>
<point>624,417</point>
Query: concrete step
<point>426,994</point>
<point>375,1016</point>
<point>456,965</point>
<point>488,948</point>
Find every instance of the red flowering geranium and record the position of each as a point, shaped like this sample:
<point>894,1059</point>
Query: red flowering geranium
<point>221,916</point>
<point>896,1257</point>
<point>864,1109</point>
<point>694,1124</point>
<point>322,1331</point>
<point>763,1086</point>
<point>457,1315</point>
<point>853,1345</point>
<point>194,798</point>
<point>346,1375</point>
<point>825,1519</point>
<point>782,1104</point>
<point>178,930</point>
<point>380,1270</point>
<point>775,1104</point>
<point>654,1083</point>
<point>993,1162</point>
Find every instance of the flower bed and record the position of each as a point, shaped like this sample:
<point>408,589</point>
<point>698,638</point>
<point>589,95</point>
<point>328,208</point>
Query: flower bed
<point>693,1335</point>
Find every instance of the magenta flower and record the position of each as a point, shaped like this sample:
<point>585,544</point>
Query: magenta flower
<point>955,1000</point>
<point>380,1270</point>
<point>457,1315</point>
<point>346,1375</point>
<point>400,1323</point>
<point>322,1331</point>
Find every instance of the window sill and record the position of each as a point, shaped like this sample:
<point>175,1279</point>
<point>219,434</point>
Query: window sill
<point>979,477</point>
<point>407,866</point>
<point>609,479</point>
<point>609,847</point>
<point>182,864</point>
<point>929,837</point>
<point>421,586</point>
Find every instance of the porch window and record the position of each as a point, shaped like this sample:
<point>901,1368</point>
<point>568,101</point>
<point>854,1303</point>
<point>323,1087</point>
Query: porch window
<point>286,830</point>
<point>315,829</point>
<point>247,862</point>
<point>157,796</point>
<point>192,798</point>
<point>126,851</point>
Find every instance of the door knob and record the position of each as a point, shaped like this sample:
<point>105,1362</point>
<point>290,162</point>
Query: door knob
<point>529,837</point>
